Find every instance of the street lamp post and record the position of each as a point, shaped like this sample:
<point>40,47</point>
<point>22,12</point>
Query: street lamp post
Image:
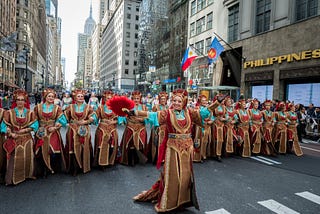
<point>43,79</point>
<point>27,51</point>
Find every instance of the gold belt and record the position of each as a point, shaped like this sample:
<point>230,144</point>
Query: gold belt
<point>179,136</point>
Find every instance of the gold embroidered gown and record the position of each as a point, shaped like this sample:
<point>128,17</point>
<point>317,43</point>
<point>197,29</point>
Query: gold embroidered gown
<point>19,151</point>
<point>106,137</point>
<point>78,146</point>
<point>176,185</point>
<point>49,146</point>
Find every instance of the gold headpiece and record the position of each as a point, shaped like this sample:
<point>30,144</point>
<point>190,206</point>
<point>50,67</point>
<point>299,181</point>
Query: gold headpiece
<point>48,91</point>
<point>20,92</point>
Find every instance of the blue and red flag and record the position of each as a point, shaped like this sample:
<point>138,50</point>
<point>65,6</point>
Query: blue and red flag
<point>188,57</point>
<point>215,50</point>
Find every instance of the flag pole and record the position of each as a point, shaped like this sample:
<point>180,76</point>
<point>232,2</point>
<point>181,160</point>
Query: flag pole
<point>243,58</point>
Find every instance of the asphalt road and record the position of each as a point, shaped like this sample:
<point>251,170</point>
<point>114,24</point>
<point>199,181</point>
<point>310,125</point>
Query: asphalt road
<point>237,185</point>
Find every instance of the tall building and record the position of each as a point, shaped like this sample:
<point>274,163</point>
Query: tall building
<point>81,56</point>
<point>154,39</point>
<point>7,60</point>
<point>30,24</point>
<point>90,24</point>
<point>277,45</point>
<point>119,47</point>
<point>205,18</point>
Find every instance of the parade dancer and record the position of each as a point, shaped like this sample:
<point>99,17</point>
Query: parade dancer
<point>280,136</point>
<point>229,125</point>
<point>243,146</point>
<point>134,147</point>
<point>18,123</point>
<point>49,154</point>
<point>256,119</point>
<point>106,136</point>
<point>267,147</point>
<point>78,137</point>
<point>218,125</point>
<point>176,185</point>
<point>157,133</point>
<point>202,135</point>
<point>293,141</point>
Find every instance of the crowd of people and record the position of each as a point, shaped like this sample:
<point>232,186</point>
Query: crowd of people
<point>182,132</point>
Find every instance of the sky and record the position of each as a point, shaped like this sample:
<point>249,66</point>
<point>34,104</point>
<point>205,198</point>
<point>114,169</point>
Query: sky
<point>73,14</point>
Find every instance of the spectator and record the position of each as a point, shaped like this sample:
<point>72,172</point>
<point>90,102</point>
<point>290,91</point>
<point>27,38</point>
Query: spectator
<point>310,110</point>
<point>301,123</point>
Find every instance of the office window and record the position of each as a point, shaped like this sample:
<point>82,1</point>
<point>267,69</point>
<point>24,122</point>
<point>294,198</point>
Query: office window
<point>25,14</point>
<point>201,4</point>
<point>128,16</point>
<point>126,62</point>
<point>127,53</point>
<point>137,27</point>
<point>127,44</point>
<point>192,29</point>
<point>208,44</point>
<point>137,9</point>
<point>128,34</point>
<point>128,25</point>
<point>136,45</point>
<point>193,7</point>
<point>209,21</point>
<point>233,23</point>
<point>126,71</point>
<point>135,63</point>
<point>26,3</point>
<point>137,17</point>
<point>200,25</point>
<point>129,7</point>
<point>306,9</point>
<point>199,46</point>
<point>136,35</point>
<point>263,15</point>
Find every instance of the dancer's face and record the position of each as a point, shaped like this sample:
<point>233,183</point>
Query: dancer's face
<point>163,101</point>
<point>20,101</point>
<point>177,103</point>
<point>80,98</point>
<point>50,98</point>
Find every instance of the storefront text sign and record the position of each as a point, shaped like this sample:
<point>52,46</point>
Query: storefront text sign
<point>299,56</point>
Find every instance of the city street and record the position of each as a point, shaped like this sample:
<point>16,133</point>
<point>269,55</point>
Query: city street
<point>286,183</point>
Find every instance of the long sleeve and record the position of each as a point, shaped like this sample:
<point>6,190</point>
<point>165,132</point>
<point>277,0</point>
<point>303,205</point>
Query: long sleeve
<point>62,120</point>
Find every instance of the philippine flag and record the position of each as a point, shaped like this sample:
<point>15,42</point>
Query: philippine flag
<point>215,50</point>
<point>188,57</point>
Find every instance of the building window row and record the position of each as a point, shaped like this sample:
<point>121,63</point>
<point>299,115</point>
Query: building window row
<point>306,9</point>
<point>200,25</point>
<point>198,5</point>
<point>233,23</point>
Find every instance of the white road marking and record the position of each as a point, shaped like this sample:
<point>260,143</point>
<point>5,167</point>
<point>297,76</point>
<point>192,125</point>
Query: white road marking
<point>277,207</point>
<point>309,196</point>
<point>316,150</point>
<point>270,160</point>
<point>219,211</point>
<point>263,161</point>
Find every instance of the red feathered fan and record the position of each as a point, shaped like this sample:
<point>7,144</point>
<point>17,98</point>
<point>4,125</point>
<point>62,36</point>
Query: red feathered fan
<point>117,103</point>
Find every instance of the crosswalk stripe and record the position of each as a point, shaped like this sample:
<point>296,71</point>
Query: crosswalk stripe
<point>316,150</point>
<point>219,211</point>
<point>270,160</point>
<point>309,196</point>
<point>263,161</point>
<point>277,207</point>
